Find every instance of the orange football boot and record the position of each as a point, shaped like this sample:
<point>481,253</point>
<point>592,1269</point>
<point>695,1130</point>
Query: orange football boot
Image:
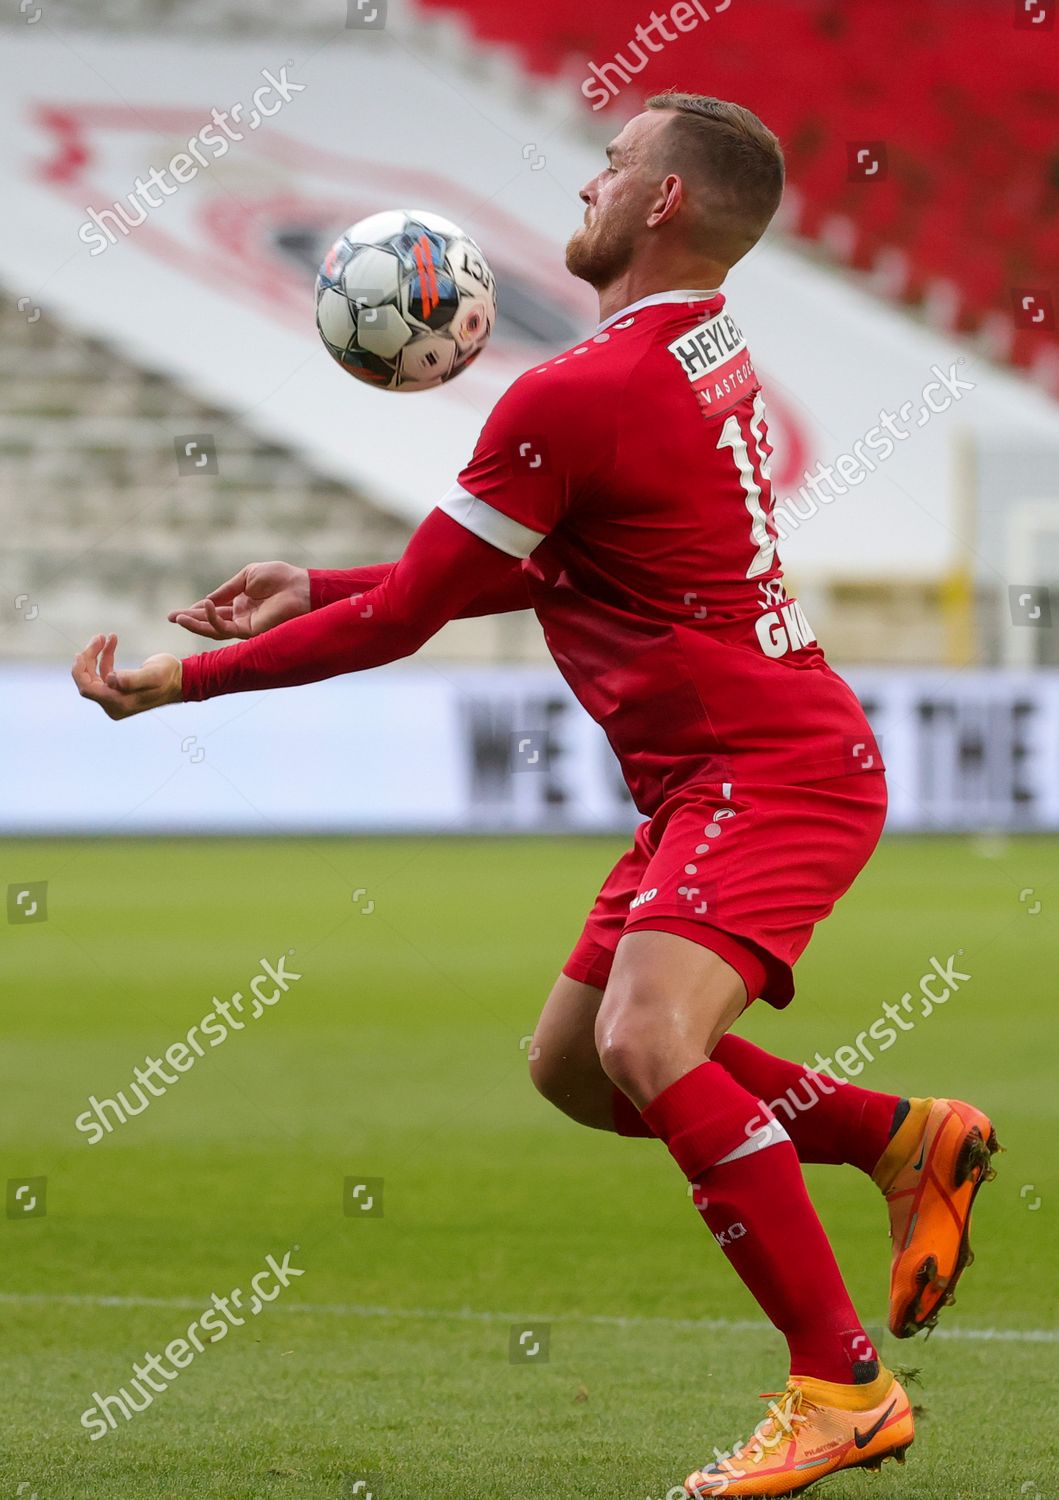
<point>930,1173</point>
<point>813,1429</point>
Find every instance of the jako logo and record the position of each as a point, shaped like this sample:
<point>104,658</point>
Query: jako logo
<point>643,897</point>
<point>730,1235</point>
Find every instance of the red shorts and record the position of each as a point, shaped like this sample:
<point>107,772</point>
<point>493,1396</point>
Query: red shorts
<point>748,876</point>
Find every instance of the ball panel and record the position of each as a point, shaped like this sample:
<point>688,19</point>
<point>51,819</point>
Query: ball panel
<point>334,263</point>
<point>473,323</point>
<point>431,299</point>
<point>382,331</point>
<point>427,361</point>
<point>334,317</point>
<point>470,270</point>
<point>371,276</point>
<point>369,367</point>
<point>377,228</point>
<point>419,250</point>
<point>436,222</point>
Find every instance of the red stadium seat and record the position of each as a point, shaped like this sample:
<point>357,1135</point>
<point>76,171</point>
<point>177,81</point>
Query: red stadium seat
<point>959,95</point>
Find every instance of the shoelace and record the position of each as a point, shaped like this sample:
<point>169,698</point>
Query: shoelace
<point>781,1422</point>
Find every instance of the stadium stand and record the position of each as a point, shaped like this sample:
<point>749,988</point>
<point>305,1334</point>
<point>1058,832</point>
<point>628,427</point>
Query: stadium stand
<point>956,92</point>
<point>86,449</point>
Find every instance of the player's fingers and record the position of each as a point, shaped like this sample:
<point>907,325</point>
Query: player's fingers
<point>227,591</point>
<point>198,611</point>
<point>198,608</point>
<point>89,683</point>
<point>84,668</point>
<point>197,626</point>
<point>226,628</point>
<point>221,628</point>
<point>106,660</point>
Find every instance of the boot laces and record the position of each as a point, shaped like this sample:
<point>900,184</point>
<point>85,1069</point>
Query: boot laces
<point>786,1415</point>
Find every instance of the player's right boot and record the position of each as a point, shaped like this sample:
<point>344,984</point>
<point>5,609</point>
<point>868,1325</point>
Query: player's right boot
<point>813,1429</point>
<point>930,1172</point>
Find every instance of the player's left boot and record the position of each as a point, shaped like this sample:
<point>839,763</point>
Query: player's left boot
<point>813,1429</point>
<point>930,1173</point>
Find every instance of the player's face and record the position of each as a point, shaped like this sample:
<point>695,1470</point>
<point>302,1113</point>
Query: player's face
<point>617,201</point>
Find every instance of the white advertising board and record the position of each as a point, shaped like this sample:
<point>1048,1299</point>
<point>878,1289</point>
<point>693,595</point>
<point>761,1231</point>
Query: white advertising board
<point>454,749</point>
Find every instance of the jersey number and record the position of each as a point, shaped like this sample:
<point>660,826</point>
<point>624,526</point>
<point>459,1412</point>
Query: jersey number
<point>751,449</point>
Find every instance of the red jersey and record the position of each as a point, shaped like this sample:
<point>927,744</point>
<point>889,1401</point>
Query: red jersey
<point>630,479</point>
<point>622,490</point>
<point>632,474</point>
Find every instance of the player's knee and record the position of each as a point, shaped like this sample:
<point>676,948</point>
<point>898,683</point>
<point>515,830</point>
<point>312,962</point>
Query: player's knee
<point>624,1041</point>
<point>622,1057</point>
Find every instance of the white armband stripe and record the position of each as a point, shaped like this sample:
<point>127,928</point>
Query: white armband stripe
<point>489,524</point>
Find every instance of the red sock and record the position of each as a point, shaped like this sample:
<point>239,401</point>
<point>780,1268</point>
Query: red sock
<point>827,1121</point>
<point>848,1124</point>
<point>759,1212</point>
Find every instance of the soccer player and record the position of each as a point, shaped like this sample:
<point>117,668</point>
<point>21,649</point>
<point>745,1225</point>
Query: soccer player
<point>622,491</point>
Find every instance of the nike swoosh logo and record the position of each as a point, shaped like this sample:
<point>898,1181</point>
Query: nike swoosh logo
<point>917,1166</point>
<point>862,1439</point>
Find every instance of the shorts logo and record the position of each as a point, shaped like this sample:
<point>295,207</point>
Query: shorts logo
<point>643,897</point>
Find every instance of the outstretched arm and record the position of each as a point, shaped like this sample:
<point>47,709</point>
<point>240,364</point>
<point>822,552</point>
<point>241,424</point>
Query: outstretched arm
<point>265,594</point>
<point>463,559</point>
<point>443,569</point>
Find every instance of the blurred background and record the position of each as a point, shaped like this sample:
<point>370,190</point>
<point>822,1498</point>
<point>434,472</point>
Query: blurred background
<point>169,413</point>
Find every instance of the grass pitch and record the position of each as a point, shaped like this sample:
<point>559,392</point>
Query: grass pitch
<point>400,1363</point>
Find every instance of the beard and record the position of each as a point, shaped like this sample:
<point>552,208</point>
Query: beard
<point>600,251</point>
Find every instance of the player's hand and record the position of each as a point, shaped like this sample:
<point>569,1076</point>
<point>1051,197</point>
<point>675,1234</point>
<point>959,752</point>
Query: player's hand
<point>121,694</point>
<point>258,597</point>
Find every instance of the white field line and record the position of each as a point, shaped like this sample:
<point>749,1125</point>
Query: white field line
<point>470,1315</point>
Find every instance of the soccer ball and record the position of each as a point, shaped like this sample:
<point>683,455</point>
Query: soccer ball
<point>405,300</point>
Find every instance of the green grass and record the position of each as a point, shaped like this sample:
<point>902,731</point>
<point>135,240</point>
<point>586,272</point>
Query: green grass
<point>397,1055</point>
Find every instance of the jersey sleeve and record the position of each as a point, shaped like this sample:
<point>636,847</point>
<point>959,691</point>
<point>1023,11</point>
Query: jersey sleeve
<point>328,585</point>
<point>505,594</point>
<point>442,571</point>
<point>544,446</point>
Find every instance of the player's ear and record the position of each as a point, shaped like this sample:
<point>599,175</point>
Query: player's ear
<point>668,199</point>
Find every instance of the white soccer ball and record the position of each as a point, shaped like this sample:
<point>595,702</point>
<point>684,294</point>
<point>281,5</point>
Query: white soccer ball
<point>405,300</point>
